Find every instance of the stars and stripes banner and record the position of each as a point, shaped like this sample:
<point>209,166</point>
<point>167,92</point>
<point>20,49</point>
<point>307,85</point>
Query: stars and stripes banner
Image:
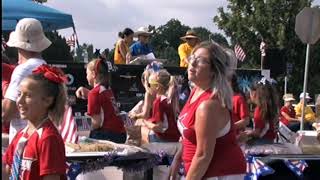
<point>240,54</point>
<point>296,166</point>
<point>263,48</point>
<point>71,41</point>
<point>68,128</point>
<point>256,168</point>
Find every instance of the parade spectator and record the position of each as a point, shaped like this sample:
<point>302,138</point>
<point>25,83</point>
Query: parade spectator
<point>30,41</point>
<point>288,114</point>
<point>184,50</point>
<point>142,46</point>
<point>37,151</point>
<point>264,95</point>
<point>102,107</point>
<point>162,123</point>
<point>309,115</point>
<point>240,112</point>
<point>121,52</point>
<point>209,146</point>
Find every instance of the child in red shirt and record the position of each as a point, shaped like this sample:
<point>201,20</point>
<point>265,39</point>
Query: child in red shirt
<point>162,124</point>
<point>265,96</point>
<point>37,151</point>
<point>102,107</point>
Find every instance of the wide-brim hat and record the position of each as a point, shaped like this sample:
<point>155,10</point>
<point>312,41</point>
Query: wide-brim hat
<point>143,30</point>
<point>288,97</point>
<point>190,34</point>
<point>29,36</point>
<point>307,96</point>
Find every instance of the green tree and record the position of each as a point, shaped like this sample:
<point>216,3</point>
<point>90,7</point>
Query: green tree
<point>248,22</point>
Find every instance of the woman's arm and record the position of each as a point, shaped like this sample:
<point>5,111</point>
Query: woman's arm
<point>288,117</point>
<point>242,123</point>
<point>157,127</point>
<point>206,132</point>
<point>174,168</point>
<point>146,108</point>
<point>96,121</point>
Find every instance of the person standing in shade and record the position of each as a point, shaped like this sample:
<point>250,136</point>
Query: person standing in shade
<point>184,50</point>
<point>142,46</point>
<point>30,41</point>
<point>121,52</point>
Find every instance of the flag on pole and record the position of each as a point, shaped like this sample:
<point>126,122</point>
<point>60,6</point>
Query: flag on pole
<point>263,48</point>
<point>240,54</point>
<point>71,41</point>
<point>68,128</point>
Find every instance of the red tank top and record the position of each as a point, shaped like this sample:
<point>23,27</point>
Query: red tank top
<point>227,158</point>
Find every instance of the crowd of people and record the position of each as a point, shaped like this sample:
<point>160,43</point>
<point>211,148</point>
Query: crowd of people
<point>211,125</point>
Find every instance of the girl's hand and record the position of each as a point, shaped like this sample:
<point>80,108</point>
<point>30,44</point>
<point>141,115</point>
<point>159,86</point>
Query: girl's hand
<point>174,169</point>
<point>82,92</point>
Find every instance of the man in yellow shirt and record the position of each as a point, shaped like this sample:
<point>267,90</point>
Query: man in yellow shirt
<point>184,50</point>
<point>309,115</point>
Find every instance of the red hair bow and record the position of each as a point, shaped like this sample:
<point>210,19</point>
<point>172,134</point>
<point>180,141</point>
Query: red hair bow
<point>51,73</point>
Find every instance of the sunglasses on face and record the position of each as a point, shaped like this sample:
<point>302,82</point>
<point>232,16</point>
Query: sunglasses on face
<point>198,60</point>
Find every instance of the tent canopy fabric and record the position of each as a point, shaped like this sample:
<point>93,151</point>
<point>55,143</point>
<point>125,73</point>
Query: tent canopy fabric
<point>51,19</point>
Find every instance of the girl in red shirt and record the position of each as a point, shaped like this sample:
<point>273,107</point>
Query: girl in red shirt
<point>37,151</point>
<point>162,123</point>
<point>209,147</point>
<point>240,112</point>
<point>102,107</point>
<point>266,113</point>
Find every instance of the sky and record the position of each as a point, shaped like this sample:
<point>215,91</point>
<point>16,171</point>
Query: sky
<point>98,21</point>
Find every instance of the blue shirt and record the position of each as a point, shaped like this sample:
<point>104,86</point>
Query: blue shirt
<point>138,49</point>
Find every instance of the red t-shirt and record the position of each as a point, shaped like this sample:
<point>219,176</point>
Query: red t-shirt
<point>162,111</point>
<point>227,159</point>
<point>266,127</point>
<point>6,77</point>
<point>44,153</point>
<point>240,108</point>
<point>101,101</point>
<point>288,110</point>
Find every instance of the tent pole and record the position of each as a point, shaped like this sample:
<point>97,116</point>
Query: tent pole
<point>74,30</point>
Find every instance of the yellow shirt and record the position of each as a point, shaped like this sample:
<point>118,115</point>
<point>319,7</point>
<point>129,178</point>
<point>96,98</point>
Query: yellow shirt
<point>309,115</point>
<point>184,51</point>
<point>118,59</point>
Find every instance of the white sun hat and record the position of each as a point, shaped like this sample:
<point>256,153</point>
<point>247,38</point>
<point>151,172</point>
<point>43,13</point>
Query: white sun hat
<point>307,96</point>
<point>143,30</point>
<point>29,36</point>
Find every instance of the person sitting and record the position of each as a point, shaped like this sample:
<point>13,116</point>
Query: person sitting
<point>184,50</point>
<point>309,115</point>
<point>288,114</point>
<point>121,52</point>
<point>142,46</point>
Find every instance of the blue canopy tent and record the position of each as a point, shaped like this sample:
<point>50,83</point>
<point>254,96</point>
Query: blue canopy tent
<point>51,19</point>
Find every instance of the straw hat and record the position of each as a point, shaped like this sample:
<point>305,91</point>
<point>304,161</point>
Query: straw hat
<point>29,36</point>
<point>143,30</point>
<point>190,34</point>
<point>307,96</point>
<point>288,97</point>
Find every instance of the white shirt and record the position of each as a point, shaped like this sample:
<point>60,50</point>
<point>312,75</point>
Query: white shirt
<point>18,74</point>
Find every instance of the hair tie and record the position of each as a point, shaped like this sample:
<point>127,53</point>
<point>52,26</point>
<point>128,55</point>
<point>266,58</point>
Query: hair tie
<point>51,73</point>
<point>154,66</point>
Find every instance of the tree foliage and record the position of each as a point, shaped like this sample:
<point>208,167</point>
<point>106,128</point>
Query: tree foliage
<point>248,22</point>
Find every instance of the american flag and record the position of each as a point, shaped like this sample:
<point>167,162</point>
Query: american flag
<point>263,48</point>
<point>71,41</point>
<point>68,128</point>
<point>256,168</point>
<point>240,54</point>
<point>296,166</point>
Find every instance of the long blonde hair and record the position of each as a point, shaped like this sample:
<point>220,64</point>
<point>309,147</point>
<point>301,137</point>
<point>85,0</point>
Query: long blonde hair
<point>220,65</point>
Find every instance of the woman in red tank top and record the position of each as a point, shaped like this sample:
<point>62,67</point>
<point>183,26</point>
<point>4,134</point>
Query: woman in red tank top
<point>209,147</point>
